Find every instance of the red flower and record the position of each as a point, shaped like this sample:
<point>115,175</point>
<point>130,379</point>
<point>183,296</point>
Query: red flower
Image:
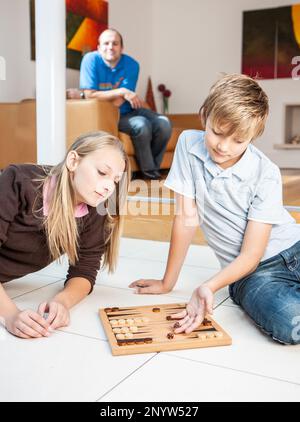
<point>167,93</point>
<point>161,87</point>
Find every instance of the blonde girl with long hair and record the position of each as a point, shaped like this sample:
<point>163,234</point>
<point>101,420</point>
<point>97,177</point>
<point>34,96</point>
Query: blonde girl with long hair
<point>73,208</point>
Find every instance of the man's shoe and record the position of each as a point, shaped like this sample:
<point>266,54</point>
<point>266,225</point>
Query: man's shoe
<point>149,174</point>
<point>157,174</point>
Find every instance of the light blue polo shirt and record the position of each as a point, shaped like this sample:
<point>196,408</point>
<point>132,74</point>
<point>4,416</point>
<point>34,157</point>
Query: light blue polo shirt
<point>226,199</point>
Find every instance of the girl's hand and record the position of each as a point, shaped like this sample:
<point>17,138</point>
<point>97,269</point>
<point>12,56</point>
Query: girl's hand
<point>27,324</point>
<point>58,314</point>
<point>200,304</point>
<point>149,286</point>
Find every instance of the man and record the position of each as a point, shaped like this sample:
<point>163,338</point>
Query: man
<point>108,74</point>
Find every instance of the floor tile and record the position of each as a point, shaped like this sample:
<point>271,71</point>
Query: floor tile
<point>198,255</point>
<point>251,350</point>
<point>168,378</point>
<point>63,367</point>
<point>28,283</point>
<point>130,247</point>
<point>130,269</point>
<point>56,268</point>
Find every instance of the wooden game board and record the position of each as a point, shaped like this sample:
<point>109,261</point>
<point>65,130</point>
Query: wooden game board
<point>145,329</point>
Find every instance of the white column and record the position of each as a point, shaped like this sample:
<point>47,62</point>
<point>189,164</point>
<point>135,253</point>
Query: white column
<point>50,44</point>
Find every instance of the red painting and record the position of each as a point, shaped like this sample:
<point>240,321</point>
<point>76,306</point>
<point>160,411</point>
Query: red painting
<point>271,38</point>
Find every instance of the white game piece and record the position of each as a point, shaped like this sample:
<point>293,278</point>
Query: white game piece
<point>113,322</point>
<point>133,328</point>
<point>128,335</point>
<point>121,322</point>
<point>117,330</point>
<point>120,336</point>
<point>129,321</point>
<point>124,330</point>
<point>201,336</point>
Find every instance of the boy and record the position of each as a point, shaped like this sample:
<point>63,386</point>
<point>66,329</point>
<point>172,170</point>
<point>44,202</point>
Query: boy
<point>235,191</point>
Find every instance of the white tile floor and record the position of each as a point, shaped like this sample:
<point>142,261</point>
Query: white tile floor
<point>75,363</point>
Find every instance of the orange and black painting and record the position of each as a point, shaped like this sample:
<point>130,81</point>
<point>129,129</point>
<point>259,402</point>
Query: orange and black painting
<point>271,38</point>
<point>85,20</point>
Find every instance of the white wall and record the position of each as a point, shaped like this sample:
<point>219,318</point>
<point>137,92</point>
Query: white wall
<point>189,43</point>
<point>134,20</point>
<point>15,48</point>
<point>195,40</point>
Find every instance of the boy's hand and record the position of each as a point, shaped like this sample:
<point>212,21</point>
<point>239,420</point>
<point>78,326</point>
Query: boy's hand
<point>200,304</point>
<point>58,314</point>
<point>27,324</point>
<point>149,286</point>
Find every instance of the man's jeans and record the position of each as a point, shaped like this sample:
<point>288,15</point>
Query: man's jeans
<point>271,295</point>
<point>150,133</point>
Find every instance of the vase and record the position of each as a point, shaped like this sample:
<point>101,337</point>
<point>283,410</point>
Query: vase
<point>165,105</point>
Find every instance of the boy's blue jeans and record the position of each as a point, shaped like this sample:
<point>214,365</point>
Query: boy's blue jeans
<point>271,295</point>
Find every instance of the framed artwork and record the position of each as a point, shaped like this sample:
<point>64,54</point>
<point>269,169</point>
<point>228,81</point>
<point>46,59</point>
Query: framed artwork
<point>85,20</point>
<point>271,38</point>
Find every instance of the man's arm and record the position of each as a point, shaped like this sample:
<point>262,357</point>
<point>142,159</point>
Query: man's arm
<point>118,96</point>
<point>125,92</point>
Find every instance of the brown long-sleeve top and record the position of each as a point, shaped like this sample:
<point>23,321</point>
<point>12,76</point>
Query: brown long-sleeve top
<point>23,242</point>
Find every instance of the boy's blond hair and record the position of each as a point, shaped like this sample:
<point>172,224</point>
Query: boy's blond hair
<point>237,104</point>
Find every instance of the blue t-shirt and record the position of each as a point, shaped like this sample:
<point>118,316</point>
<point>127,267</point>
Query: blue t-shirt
<point>96,74</point>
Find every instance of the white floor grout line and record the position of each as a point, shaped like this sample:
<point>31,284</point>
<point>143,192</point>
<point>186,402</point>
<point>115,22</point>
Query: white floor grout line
<point>256,374</point>
<point>38,288</point>
<point>221,303</point>
<point>127,376</point>
<point>81,335</point>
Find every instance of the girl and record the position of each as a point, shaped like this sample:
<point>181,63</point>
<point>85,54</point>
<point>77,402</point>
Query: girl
<point>65,209</point>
